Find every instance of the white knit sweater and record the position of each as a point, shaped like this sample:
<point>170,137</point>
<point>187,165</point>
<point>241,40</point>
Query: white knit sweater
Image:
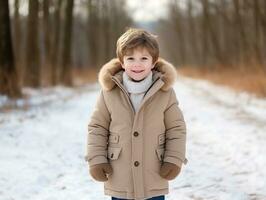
<point>137,90</point>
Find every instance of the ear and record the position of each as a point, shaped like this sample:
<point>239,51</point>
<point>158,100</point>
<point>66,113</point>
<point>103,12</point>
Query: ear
<point>122,65</point>
<point>154,64</point>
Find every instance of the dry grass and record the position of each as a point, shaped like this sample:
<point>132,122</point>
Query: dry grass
<point>84,76</point>
<point>240,79</point>
<point>80,76</point>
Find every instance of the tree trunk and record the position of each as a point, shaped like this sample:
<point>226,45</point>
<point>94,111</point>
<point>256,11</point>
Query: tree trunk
<point>106,27</point>
<point>205,34</point>
<point>8,77</point>
<point>180,33</point>
<point>17,34</point>
<point>209,30</point>
<point>192,33</point>
<point>257,39</point>
<point>241,41</point>
<point>47,38</point>
<point>93,28</point>
<point>66,76</point>
<point>263,27</point>
<point>55,44</point>
<point>32,71</point>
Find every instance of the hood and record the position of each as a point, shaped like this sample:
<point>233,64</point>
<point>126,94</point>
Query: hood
<point>167,73</point>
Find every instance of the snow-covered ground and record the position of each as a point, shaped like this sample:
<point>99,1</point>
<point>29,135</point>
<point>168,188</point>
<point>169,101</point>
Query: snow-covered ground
<point>43,143</point>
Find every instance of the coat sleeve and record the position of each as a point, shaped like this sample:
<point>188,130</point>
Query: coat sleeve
<point>98,130</point>
<point>175,145</point>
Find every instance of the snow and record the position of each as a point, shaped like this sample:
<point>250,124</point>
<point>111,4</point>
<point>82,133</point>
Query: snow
<point>43,143</point>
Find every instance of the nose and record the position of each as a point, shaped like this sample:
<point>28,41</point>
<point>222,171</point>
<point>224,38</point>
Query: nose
<point>137,64</point>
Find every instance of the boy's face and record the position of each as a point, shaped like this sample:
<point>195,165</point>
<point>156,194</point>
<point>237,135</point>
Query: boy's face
<point>138,63</point>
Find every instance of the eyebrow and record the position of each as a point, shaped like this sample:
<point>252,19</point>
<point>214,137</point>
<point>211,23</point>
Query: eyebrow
<point>132,55</point>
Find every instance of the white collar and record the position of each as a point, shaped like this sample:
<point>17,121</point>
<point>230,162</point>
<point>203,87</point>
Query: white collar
<point>137,87</point>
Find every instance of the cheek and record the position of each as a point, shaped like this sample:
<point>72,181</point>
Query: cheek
<point>127,69</point>
<point>125,66</point>
<point>128,66</point>
<point>149,66</point>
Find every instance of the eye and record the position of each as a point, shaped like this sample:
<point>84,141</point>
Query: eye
<point>130,58</point>
<point>144,58</point>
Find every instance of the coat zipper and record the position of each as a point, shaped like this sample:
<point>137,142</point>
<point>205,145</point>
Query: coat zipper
<point>126,94</point>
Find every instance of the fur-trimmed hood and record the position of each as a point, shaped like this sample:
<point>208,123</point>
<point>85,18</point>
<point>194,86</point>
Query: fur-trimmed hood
<point>163,69</point>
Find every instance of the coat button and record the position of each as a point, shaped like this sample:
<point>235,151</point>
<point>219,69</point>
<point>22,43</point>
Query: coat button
<point>136,134</point>
<point>136,163</point>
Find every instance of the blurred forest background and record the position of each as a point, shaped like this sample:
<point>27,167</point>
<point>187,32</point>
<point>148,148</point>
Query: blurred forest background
<point>51,42</point>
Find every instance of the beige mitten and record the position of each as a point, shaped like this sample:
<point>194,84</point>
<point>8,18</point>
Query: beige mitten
<point>169,171</point>
<point>99,172</point>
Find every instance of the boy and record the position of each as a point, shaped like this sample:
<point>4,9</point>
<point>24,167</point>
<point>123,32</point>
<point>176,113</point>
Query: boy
<point>137,134</point>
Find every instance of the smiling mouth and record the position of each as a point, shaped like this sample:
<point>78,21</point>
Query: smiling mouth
<point>137,71</point>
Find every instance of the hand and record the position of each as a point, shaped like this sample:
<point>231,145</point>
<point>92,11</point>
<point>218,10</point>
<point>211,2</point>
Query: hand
<point>169,171</point>
<point>99,172</point>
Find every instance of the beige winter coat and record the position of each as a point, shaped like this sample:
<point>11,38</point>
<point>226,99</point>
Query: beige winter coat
<point>136,144</point>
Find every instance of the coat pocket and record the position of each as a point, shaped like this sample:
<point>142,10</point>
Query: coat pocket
<point>160,153</point>
<point>113,138</point>
<point>113,152</point>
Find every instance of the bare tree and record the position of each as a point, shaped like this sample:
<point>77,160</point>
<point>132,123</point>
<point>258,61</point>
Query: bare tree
<point>17,32</point>
<point>32,70</point>
<point>179,29</point>
<point>47,35</point>
<point>106,21</point>
<point>65,74</point>
<point>55,43</point>
<point>92,32</point>
<point>222,32</point>
<point>263,28</point>
<point>192,33</point>
<point>8,77</point>
<point>257,39</point>
<point>241,40</point>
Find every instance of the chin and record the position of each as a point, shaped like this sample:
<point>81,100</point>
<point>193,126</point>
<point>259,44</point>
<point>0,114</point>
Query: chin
<point>138,79</point>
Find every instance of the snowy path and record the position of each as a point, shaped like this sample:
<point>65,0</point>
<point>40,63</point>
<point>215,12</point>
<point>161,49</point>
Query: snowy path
<point>42,149</point>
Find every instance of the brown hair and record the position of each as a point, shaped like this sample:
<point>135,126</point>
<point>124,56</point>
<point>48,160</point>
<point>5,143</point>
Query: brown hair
<point>134,38</point>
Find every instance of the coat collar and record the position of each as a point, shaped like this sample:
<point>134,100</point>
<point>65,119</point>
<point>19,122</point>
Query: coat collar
<point>113,70</point>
